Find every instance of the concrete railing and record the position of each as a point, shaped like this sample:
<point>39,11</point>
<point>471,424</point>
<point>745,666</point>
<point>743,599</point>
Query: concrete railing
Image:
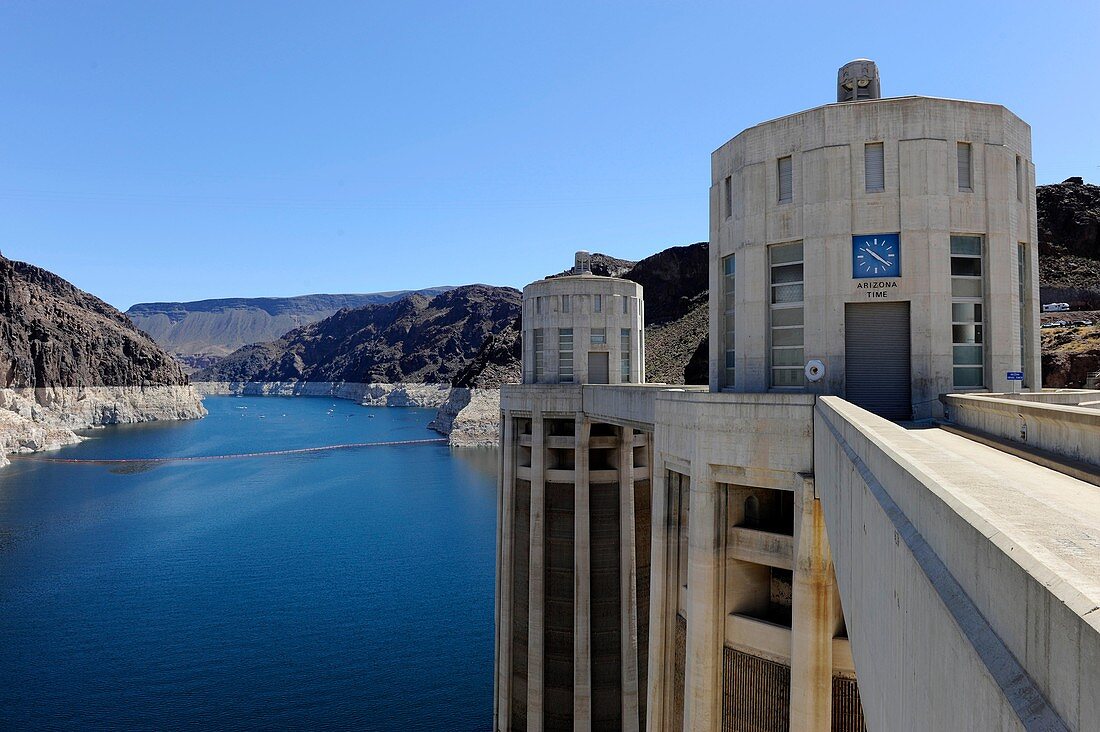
<point>953,624</point>
<point>1072,432</point>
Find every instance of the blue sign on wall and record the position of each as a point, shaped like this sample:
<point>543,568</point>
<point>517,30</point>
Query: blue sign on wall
<point>876,255</point>
<point>1015,376</point>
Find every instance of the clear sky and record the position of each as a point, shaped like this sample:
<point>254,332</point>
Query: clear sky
<point>190,149</point>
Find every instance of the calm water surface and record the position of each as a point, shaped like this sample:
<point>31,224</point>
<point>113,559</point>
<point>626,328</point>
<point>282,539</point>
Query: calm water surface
<point>346,589</point>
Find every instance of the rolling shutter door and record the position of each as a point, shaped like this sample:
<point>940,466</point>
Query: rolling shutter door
<point>876,361</point>
<point>598,372</point>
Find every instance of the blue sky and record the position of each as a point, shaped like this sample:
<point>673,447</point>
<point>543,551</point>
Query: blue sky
<point>186,150</point>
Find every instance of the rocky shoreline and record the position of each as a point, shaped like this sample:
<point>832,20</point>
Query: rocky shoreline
<point>468,417</point>
<point>47,418</point>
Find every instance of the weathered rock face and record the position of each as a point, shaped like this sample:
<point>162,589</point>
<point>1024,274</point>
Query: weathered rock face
<point>70,361</point>
<point>431,396</point>
<point>52,334</point>
<point>413,340</point>
<point>1068,217</point>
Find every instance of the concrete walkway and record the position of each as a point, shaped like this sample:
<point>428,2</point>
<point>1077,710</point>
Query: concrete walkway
<point>1053,517</point>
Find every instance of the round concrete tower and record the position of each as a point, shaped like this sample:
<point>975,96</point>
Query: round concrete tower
<point>583,328</point>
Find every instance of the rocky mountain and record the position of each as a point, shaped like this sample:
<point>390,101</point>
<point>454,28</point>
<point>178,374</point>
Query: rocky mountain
<point>1069,271</point>
<point>68,360</point>
<point>414,339</point>
<point>201,331</point>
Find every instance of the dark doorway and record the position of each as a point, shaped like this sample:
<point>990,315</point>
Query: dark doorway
<point>877,369</point>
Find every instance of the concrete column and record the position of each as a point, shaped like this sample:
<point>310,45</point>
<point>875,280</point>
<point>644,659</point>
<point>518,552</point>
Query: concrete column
<point>705,617</point>
<point>662,607</point>
<point>536,585</point>
<point>502,712</point>
<point>628,582</point>
<point>582,586</point>
<point>815,616</point>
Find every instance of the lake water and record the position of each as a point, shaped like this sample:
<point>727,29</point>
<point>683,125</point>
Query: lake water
<point>333,590</point>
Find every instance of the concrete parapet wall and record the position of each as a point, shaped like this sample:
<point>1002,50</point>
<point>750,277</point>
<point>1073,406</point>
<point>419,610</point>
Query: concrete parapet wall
<point>954,624</point>
<point>1066,430</point>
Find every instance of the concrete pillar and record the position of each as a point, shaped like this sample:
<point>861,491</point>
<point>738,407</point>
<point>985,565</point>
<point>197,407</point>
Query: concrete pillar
<point>662,607</point>
<point>536,584</point>
<point>582,586</point>
<point>815,616</point>
<point>628,581</point>
<point>705,619</point>
<point>502,712</point>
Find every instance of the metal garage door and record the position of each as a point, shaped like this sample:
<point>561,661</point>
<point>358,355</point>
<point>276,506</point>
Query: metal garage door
<point>597,367</point>
<point>877,372</point>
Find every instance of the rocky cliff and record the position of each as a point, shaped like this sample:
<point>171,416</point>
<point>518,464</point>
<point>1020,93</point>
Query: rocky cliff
<point>200,332</point>
<point>68,361</point>
<point>416,339</point>
<point>1069,271</point>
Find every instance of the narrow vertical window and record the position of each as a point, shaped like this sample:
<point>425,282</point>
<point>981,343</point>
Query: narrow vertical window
<point>566,303</point>
<point>787,315</point>
<point>565,355</point>
<point>785,179</point>
<point>729,269</point>
<point>727,196</point>
<point>874,167</point>
<point>626,304</point>
<point>597,303</point>
<point>1020,175</point>
<point>964,167</point>
<point>540,352</point>
<point>1022,268</point>
<point>538,306</point>
<point>624,355</point>
<point>967,312</point>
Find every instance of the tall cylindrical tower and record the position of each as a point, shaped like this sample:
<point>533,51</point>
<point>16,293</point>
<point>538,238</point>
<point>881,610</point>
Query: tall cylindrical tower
<point>582,328</point>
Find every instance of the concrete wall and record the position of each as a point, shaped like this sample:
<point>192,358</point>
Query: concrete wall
<point>921,200</point>
<point>1070,431</point>
<point>952,624</point>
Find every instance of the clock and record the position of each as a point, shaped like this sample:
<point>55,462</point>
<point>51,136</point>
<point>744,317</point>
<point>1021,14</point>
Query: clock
<point>876,255</point>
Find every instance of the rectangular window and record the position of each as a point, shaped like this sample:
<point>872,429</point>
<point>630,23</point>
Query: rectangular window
<point>599,336</point>
<point>565,355</point>
<point>727,196</point>
<point>597,303</point>
<point>624,355</point>
<point>626,305</point>
<point>964,167</point>
<point>785,179</point>
<point>874,167</point>
<point>967,312</point>
<point>729,269</point>
<point>787,312</point>
<point>540,351</point>
<point>567,303</point>
<point>538,306</point>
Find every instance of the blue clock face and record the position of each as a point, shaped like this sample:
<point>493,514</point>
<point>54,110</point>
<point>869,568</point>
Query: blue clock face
<point>876,255</point>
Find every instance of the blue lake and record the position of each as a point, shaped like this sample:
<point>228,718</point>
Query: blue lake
<point>332,590</point>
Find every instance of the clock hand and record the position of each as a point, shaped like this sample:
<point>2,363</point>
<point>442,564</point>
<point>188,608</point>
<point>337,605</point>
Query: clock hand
<point>884,262</point>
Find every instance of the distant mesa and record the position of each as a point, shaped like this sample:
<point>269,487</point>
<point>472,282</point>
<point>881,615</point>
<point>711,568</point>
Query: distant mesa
<point>199,332</point>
